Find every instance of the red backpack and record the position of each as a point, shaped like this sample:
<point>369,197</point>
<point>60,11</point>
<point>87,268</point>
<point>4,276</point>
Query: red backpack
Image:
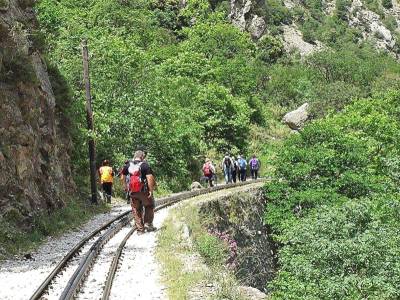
<point>207,169</point>
<point>135,182</point>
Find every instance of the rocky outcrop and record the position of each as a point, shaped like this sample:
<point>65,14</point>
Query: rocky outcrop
<point>241,15</point>
<point>296,119</point>
<point>293,41</point>
<point>195,186</point>
<point>240,216</point>
<point>371,25</point>
<point>35,173</point>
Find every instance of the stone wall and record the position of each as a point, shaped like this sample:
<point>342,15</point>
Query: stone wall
<point>35,173</point>
<point>241,216</point>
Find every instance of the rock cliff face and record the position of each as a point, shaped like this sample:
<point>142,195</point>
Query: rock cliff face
<point>35,172</point>
<point>374,27</point>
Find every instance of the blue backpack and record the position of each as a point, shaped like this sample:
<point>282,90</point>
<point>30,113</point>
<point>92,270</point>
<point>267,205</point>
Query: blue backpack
<point>242,164</point>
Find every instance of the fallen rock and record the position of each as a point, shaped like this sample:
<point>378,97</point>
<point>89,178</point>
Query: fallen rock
<point>296,119</point>
<point>195,186</point>
<point>293,41</point>
<point>252,293</point>
<point>257,27</point>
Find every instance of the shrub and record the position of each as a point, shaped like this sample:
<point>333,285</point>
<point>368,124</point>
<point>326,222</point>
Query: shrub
<point>212,249</point>
<point>342,9</point>
<point>17,67</point>
<point>276,13</point>
<point>390,22</point>
<point>335,206</point>
<point>270,49</point>
<point>387,4</point>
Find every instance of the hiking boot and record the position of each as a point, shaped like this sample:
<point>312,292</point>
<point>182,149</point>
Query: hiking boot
<point>150,227</point>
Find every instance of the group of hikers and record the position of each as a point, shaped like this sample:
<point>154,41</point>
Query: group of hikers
<point>234,169</point>
<point>139,182</point>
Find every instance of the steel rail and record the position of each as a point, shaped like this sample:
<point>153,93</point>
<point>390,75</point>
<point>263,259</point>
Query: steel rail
<point>114,265</point>
<point>172,200</point>
<point>162,202</point>
<point>57,269</point>
<point>88,260</point>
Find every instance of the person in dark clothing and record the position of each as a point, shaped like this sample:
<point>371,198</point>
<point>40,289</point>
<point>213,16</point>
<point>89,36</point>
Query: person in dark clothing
<point>242,168</point>
<point>254,164</point>
<point>141,187</point>
<point>235,170</point>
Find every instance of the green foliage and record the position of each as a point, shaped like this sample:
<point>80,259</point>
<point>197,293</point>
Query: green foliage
<point>387,4</point>
<point>16,67</point>
<point>331,79</point>
<point>16,237</point>
<point>276,13</point>
<point>342,9</point>
<point>211,249</point>
<point>159,80</point>
<point>334,206</point>
<point>375,6</point>
<point>390,22</point>
<point>270,49</point>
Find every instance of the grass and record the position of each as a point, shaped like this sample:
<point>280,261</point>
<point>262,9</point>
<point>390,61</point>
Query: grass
<point>15,239</point>
<point>183,268</point>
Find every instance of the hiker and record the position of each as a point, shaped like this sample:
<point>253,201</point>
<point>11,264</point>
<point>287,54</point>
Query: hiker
<point>227,167</point>
<point>255,165</point>
<point>125,182</point>
<point>106,179</point>
<point>209,171</point>
<point>242,168</point>
<point>235,170</point>
<point>141,187</point>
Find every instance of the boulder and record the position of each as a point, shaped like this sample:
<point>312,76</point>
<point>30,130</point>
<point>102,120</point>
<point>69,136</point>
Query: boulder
<point>296,119</point>
<point>239,12</point>
<point>252,293</point>
<point>257,27</point>
<point>195,186</point>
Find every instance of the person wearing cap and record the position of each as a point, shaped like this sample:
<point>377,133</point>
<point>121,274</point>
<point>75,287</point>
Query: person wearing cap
<point>106,174</point>
<point>142,200</point>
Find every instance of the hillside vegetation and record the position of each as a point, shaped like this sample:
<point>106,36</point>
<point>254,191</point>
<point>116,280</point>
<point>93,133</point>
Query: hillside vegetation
<point>334,205</point>
<point>182,81</point>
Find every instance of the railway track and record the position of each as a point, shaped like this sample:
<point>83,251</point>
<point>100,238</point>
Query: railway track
<point>89,248</point>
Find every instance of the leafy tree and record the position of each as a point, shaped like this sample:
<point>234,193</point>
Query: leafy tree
<point>334,205</point>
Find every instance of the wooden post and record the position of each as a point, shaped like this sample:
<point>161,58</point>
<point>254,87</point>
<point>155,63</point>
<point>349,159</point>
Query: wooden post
<point>89,120</point>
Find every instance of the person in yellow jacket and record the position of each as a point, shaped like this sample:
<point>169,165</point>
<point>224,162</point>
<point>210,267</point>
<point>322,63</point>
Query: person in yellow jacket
<point>106,179</point>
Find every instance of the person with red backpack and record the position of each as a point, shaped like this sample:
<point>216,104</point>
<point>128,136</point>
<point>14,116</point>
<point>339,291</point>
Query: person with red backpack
<point>141,188</point>
<point>209,171</point>
<point>255,165</point>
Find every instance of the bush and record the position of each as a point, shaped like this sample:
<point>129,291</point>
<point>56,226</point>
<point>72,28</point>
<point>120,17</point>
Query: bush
<point>387,4</point>
<point>212,249</point>
<point>390,22</point>
<point>276,13</point>
<point>17,67</point>
<point>270,49</point>
<point>335,205</point>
